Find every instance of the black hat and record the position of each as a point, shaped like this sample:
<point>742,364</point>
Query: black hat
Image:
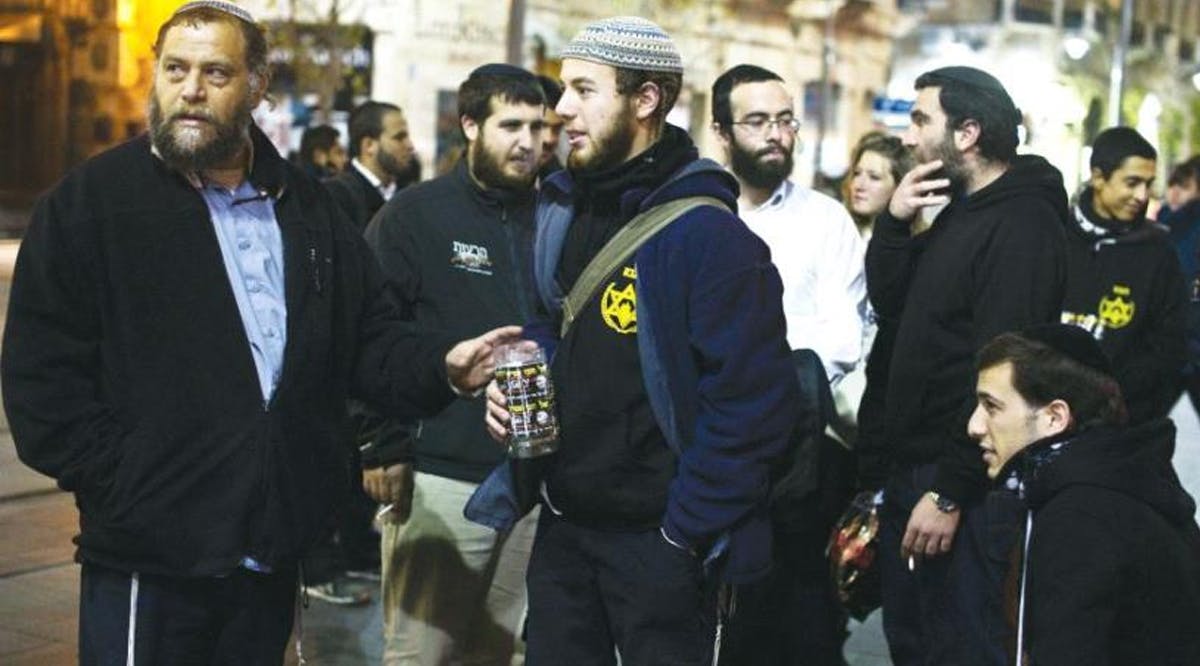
<point>973,78</point>
<point>502,69</point>
<point>1072,342</point>
<point>976,78</point>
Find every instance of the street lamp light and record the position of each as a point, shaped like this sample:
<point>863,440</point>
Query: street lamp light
<point>1076,46</point>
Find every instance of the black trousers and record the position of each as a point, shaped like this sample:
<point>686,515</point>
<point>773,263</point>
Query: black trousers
<point>593,591</point>
<point>792,617</point>
<point>244,618</point>
<point>350,544</point>
<point>947,610</point>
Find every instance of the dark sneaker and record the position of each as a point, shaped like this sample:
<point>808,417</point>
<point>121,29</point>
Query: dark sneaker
<point>331,593</point>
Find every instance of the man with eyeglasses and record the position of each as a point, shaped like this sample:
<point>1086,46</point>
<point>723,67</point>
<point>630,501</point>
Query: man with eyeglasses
<point>819,254</point>
<point>812,238</point>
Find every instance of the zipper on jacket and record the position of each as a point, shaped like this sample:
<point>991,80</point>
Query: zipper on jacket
<point>515,261</point>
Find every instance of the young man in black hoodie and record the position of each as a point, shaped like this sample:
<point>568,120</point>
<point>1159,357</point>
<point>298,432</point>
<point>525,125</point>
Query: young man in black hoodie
<point>992,262</point>
<point>456,251</point>
<point>1110,572</point>
<point>1124,283</point>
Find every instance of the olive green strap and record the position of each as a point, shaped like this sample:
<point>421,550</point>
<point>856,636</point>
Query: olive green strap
<point>621,246</point>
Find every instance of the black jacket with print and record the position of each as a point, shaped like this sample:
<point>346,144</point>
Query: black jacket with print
<point>1125,287</point>
<point>458,259</point>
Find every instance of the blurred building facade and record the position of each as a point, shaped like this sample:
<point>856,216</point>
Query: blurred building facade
<point>75,73</point>
<point>1056,57</point>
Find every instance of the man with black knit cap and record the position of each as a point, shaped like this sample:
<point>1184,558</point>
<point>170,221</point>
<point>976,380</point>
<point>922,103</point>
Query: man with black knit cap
<point>456,251</point>
<point>1124,283</point>
<point>674,384</point>
<point>992,262</point>
<point>189,314</point>
<point>1110,570</point>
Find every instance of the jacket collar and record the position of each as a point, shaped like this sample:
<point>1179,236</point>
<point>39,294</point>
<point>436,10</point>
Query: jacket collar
<point>493,197</point>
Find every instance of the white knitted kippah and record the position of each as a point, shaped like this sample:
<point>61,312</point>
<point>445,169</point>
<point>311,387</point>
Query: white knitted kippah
<point>218,5</point>
<point>628,42</point>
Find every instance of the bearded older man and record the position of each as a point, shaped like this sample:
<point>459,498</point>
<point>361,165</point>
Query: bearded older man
<point>189,314</point>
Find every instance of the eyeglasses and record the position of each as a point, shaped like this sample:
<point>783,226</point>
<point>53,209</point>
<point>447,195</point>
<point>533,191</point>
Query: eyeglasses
<point>762,124</point>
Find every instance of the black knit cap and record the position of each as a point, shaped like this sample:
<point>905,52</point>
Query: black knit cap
<point>502,69</point>
<point>1072,342</point>
<point>970,76</point>
<point>974,78</point>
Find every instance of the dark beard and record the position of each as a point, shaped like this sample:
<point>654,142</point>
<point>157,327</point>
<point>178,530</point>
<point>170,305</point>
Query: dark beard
<point>952,163</point>
<point>755,172</point>
<point>488,170</point>
<point>228,140</point>
<point>392,166</point>
<point>611,147</point>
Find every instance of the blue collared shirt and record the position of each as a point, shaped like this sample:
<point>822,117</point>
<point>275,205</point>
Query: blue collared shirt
<point>252,249</point>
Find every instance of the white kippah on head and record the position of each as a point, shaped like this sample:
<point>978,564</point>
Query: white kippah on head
<point>218,5</point>
<point>627,42</point>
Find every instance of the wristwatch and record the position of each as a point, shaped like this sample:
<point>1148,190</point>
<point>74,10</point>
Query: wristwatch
<point>943,504</point>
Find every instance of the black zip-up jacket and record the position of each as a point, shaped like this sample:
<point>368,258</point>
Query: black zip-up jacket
<point>993,262</point>
<point>358,198</point>
<point>1113,562</point>
<point>1125,287</point>
<point>458,258</point>
<point>128,377</point>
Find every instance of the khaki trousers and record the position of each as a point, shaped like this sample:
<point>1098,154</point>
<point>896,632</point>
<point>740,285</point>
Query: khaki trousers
<point>453,591</point>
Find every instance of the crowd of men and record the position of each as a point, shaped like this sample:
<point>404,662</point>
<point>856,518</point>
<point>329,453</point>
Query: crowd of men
<point>203,338</point>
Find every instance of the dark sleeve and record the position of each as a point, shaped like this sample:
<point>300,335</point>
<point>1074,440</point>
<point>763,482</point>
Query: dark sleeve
<point>400,369</point>
<point>391,238</point>
<point>61,419</point>
<point>1073,587</point>
<point>891,254</point>
<point>1150,370</point>
<point>393,244</point>
<point>342,196</point>
<point>748,395</point>
<point>1017,281</point>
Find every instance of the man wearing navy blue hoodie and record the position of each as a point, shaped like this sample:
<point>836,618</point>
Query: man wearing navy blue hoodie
<point>669,418</point>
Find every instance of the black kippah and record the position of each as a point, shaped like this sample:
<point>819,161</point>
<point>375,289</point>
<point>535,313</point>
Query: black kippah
<point>970,76</point>
<point>501,69</point>
<point>1072,342</point>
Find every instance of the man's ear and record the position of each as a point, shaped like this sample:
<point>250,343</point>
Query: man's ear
<point>368,146</point>
<point>646,100</point>
<point>967,135</point>
<point>722,135</point>
<point>470,128</point>
<point>259,82</point>
<point>1098,178</point>
<point>1058,417</point>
